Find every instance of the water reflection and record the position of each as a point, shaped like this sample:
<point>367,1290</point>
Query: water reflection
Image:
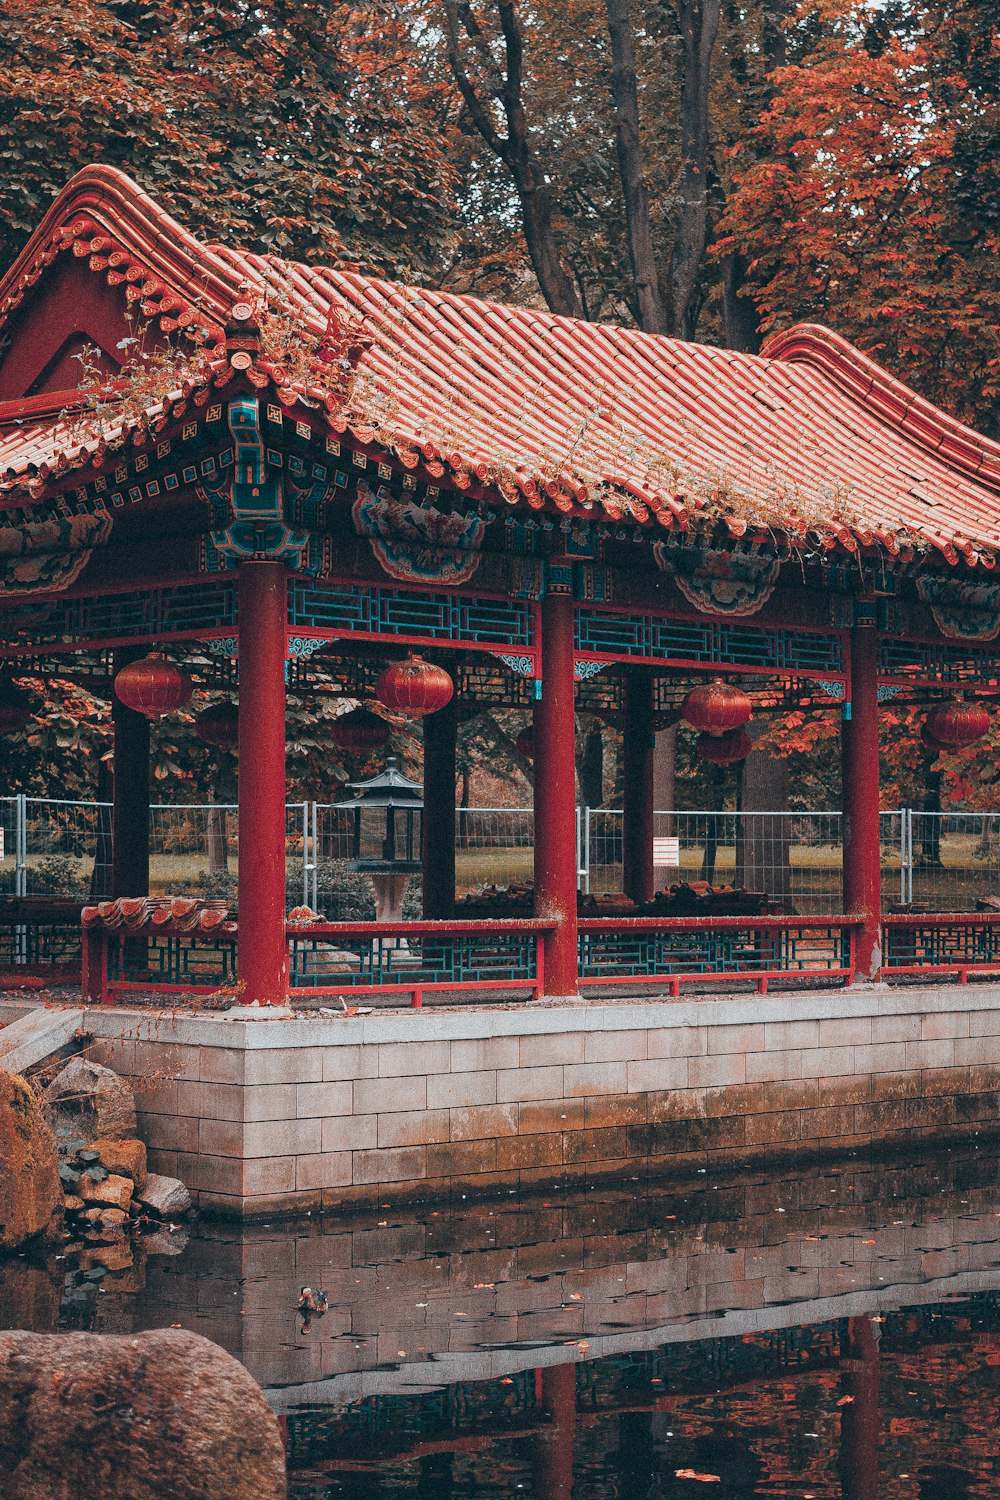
<point>832,1334</point>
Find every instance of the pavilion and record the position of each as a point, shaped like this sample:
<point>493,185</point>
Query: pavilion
<point>562,515</point>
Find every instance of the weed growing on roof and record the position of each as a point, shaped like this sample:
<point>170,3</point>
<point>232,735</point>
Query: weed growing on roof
<point>312,351</point>
<point>110,403</point>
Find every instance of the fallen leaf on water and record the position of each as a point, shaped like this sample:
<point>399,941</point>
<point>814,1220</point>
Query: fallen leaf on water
<point>693,1474</point>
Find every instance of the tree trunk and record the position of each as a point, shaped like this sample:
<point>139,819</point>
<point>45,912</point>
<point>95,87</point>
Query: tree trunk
<point>462,828</point>
<point>762,852</point>
<point>217,840</point>
<point>515,148</point>
<point>536,216</point>
<point>590,768</point>
<point>739,314</point>
<point>650,312</point>
<point>699,25</point>
<point>930,843</point>
<point>100,878</point>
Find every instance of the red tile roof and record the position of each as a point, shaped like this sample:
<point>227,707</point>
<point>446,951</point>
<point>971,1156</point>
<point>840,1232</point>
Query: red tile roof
<point>809,436</point>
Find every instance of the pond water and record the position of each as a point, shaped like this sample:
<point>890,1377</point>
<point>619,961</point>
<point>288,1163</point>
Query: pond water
<point>833,1333</point>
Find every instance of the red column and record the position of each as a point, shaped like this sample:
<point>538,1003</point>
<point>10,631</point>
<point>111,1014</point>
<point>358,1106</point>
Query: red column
<point>130,795</point>
<point>859,1418</point>
<point>555,797</point>
<point>553,1463</point>
<point>263,953</point>
<point>440,738</point>
<point>860,771</point>
<point>638,744</point>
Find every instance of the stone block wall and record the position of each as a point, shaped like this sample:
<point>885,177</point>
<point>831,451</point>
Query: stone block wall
<point>263,1117</point>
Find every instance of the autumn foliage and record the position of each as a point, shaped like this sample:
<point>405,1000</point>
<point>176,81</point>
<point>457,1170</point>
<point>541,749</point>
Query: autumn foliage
<point>866,197</point>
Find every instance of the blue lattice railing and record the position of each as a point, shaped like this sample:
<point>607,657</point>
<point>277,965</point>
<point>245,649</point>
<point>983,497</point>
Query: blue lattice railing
<point>674,949</point>
<point>49,946</point>
<point>331,957</point>
<point>174,960</point>
<point>165,961</point>
<point>708,643</point>
<point>146,615</point>
<point>366,609</point>
<point>935,661</point>
<point>326,958</point>
<point>941,944</point>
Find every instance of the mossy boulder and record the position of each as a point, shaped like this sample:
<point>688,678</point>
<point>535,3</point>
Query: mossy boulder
<point>145,1417</point>
<point>30,1191</point>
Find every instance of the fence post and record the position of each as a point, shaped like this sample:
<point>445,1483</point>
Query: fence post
<point>21,845</point>
<point>305,853</point>
<point>21,871</point>
<point>313,901</point>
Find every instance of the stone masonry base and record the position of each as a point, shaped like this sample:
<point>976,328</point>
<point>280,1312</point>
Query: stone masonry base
<point>281,1116</point>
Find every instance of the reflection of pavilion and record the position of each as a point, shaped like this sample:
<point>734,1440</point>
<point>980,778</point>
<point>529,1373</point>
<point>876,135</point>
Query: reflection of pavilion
<point>501,505</point>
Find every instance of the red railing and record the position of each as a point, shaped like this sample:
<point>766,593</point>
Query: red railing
<point>414,958</point>
<point>959,943</point>
<point>377,957</point>
<point>672,951</point>
<point>325,959</point>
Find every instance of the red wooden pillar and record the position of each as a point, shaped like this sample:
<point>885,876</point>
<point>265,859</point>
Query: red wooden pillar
<point>263,952</point>
<point>860,770</point>
<point>553,1463</point>
<point>129,794</point>
<point>859,1417</point>
<point>440,742</point>
<point>555,798</point>
<point>638,742</point>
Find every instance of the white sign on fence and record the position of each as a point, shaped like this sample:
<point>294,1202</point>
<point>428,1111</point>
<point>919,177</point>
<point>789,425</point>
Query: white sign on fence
<point>666,851</point>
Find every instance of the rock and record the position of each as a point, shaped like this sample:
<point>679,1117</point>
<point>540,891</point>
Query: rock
<point>30,1192</point>
<point>91,1103</point>
<point>72,1204</point>
<point>114,1218</point>
<point>144,1416</point>
<point>114,1192</point>
<point>163,1242</point>
<point>30,1292</point>
<point>126,1157</point>
<point>165,1197</point>
<point>116,1257</point>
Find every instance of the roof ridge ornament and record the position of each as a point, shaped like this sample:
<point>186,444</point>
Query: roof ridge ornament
<point>242,331</point>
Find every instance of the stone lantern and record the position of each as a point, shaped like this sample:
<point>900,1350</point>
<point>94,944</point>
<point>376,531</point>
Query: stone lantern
<point>386,815</point>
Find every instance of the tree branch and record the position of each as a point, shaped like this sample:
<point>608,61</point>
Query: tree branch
<point>625,96</point>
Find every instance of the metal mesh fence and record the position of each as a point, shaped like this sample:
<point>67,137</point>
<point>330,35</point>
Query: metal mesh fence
<point>66,847</point>
<point>952,859</point>
<point>793,858</point>
<point>493,846</point>
<point>939,861</point>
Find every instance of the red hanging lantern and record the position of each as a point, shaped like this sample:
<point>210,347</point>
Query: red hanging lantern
<point>152,686</point>
<point>219,726</point>
<point>928,739</point>
<point>716,707</point>
<point>361,732</point>
<point>955,724</point>
<point>525,742</point>
<point>15,708</point>
<point>724,749</point>
<point>414,687</point>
